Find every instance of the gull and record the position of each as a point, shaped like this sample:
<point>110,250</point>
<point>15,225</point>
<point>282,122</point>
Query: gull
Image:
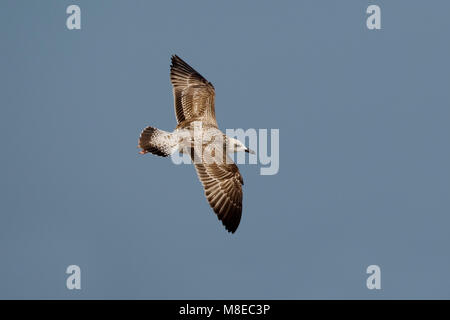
<point>197,134</point>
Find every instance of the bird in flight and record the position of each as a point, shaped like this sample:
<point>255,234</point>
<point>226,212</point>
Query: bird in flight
<point>197,134</point>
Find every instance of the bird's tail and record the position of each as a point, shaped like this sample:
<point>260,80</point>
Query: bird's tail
<point>159,142</point>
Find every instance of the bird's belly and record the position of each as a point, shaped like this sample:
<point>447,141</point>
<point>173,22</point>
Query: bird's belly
<point>192,138</point>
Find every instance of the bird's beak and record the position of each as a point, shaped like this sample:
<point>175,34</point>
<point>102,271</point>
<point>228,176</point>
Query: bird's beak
<point>249,151</point>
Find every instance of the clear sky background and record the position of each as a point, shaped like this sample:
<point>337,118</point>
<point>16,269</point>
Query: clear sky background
<point>364,120</point>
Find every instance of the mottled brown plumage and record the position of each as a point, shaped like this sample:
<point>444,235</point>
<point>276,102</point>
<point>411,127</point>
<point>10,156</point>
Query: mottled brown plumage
<point>194,103</point>
<point>194,100</point>
<point>193,95</point>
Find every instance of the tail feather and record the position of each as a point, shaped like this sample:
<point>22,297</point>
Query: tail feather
<point>159,142</point>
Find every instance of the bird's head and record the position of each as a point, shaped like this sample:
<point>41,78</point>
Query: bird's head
<point>236,146</point>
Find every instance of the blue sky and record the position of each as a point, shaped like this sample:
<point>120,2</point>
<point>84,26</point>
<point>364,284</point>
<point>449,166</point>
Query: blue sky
<point>364,159</point>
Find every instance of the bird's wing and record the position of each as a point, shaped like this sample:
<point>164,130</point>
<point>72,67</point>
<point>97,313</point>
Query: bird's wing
<point>223,189</point>
<point>193,94</point>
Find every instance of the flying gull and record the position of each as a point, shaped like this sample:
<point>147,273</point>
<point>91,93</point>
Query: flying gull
<point>197,134</point>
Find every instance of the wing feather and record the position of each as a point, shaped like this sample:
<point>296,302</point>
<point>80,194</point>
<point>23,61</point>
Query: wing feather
<point>193,94</point>
<point>223,190</point>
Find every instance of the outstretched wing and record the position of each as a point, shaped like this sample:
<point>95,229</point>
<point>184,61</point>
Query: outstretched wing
<point>193,94</point>
<point>223,189</point>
